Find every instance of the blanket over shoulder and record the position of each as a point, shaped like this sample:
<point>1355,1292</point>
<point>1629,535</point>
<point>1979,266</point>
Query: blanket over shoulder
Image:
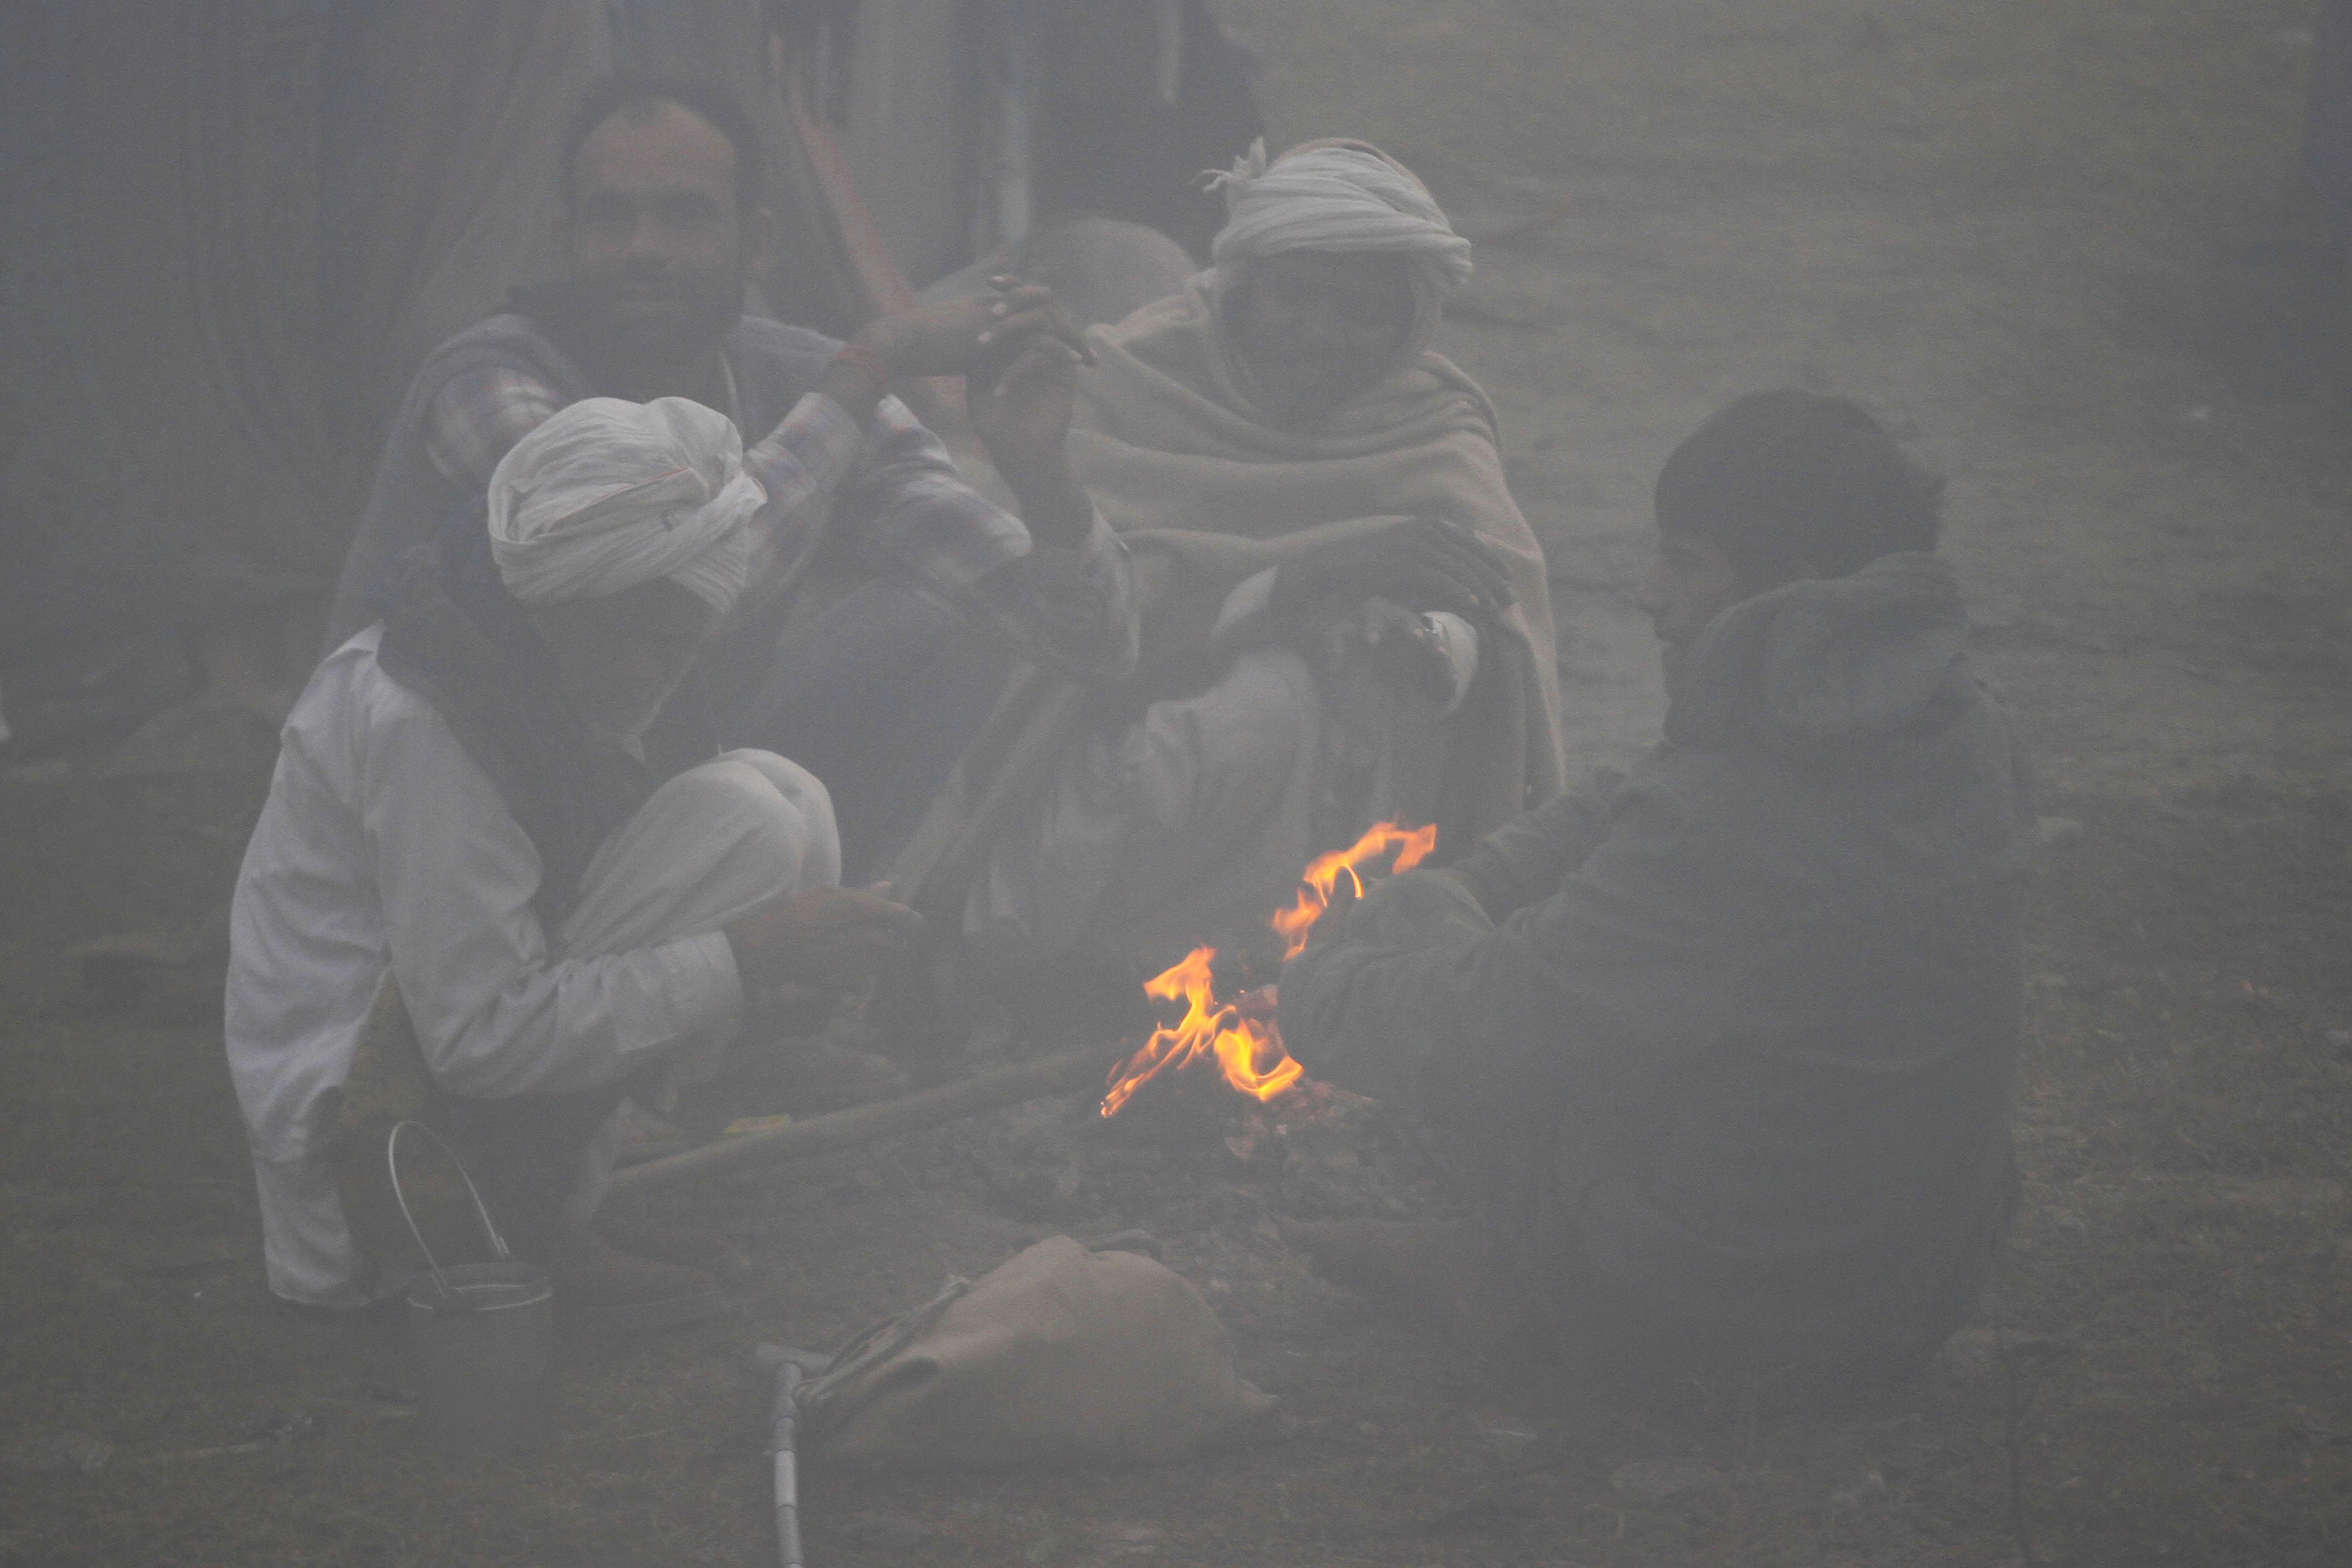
<point>1208,493</point>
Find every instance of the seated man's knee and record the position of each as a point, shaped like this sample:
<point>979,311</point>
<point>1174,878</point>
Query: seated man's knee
<point>775,811</point>
<point>1229,749</point>
<point>801,789</point>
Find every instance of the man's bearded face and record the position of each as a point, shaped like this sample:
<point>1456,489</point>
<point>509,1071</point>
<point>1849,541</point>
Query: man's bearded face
<point>656,232</point>
<point>1318,328</point>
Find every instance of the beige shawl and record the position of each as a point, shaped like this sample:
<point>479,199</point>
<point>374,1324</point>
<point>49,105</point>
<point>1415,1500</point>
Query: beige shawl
<point>1168,444</point>
<point>1207,493</point>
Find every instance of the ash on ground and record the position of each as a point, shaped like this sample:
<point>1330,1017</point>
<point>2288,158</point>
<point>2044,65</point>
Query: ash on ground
<point>1189,1155</point>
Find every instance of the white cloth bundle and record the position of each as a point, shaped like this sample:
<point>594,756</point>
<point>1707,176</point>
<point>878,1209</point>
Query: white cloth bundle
<point>1324,196</point>
<point>608,494</point>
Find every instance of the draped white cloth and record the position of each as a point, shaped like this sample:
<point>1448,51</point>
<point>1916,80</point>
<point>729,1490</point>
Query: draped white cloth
<point>607,494</point>
<point>1334,195</point>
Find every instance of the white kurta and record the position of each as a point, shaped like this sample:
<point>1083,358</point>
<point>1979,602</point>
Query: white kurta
<point>1156,834</point>
<point>385,849</point>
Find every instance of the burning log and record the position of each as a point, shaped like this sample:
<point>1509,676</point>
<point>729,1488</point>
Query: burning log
<point>1039,1079</point>
<point>1240,1035</point>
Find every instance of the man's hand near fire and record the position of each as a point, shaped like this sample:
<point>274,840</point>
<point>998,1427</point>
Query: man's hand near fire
<point>1384,596</point>
<point>820,943</point>
<point>1422,562</point>
<point>1334,917</point>
<point>1405,647</point>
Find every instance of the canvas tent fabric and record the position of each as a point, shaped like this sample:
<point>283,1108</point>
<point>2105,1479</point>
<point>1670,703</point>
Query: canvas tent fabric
<point>163,432</point>
<point>268,204</point>
<point>443,188</point>
<point>234,229</point>
<point>2327,128</point>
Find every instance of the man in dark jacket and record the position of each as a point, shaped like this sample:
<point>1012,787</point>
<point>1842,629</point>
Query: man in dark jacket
<point>1723,1046</point>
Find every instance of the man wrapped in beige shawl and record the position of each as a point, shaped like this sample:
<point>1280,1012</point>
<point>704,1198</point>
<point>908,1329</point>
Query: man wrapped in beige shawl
<point>1348,619</point>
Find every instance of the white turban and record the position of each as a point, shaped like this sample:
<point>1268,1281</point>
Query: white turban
<point>1334,196</point>
<point>608,494</point>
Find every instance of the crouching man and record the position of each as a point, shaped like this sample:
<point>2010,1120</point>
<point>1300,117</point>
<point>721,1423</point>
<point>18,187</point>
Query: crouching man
<point>465,837</point>
<point>1723,1048</point>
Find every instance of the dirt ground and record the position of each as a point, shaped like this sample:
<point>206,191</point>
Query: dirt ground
<point>2057,243</point>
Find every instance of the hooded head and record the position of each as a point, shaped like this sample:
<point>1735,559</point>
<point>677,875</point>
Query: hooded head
<point>1777,486</point>
<point>1331,274</point>
<point>1796,484</point>
<point>623,530</point>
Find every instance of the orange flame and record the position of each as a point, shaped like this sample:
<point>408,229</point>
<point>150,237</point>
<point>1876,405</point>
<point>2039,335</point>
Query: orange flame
<point>1247,1050</point>
<point>1413,844</point>
<point>1240,1035</point>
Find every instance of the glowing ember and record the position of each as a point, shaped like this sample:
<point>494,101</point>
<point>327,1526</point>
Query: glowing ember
<point>1240,1035</point>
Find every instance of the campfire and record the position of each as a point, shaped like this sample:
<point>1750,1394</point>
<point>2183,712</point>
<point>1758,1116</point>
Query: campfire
<point>1238,1033</point>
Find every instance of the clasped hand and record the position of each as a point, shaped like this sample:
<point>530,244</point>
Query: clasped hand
<point>1019,358</point>
<point>1403,645</point>
<point>1422,563</point>
<point>827,939</point>
<point>1373,594</point>
<point>974,335</point>
<point>1014,351</point>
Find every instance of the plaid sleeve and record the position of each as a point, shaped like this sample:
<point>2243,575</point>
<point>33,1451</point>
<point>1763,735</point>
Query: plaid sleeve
<point>801,465</point>
<point>478,417</point>
<point>910,507</point>
<point>1071,608</point>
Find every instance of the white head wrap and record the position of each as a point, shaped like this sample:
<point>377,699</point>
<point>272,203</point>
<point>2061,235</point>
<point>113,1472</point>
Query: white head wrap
<point>607,494</point>
<point>1334,196</point>
<point>1324,196</point>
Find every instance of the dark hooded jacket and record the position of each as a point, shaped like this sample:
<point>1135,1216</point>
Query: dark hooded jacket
<point>1734,1035</point>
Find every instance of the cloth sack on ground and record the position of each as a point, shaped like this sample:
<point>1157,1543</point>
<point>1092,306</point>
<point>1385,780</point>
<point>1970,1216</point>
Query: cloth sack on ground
<point>1059,1356</point>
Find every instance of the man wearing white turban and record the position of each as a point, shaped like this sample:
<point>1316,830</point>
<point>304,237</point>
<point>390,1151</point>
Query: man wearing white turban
<point>1343,214</point>
<point>1347,618</point>
<point>924,590</point>
<point>469,896</point>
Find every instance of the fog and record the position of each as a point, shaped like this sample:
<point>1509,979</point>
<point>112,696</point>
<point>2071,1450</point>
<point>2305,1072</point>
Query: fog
<point>2090,264</point>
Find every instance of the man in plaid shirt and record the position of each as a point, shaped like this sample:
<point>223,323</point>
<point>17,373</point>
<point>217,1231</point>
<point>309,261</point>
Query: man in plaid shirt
<point>663,230</point>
